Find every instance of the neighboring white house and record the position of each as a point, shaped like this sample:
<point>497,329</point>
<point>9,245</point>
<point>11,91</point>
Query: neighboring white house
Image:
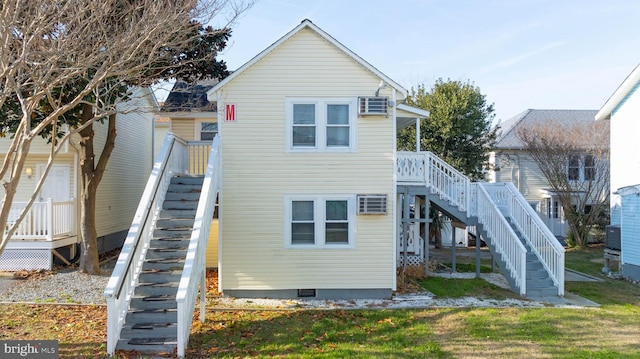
<point>50,231</point>
<point>512,163</point>
<point>622,109</point>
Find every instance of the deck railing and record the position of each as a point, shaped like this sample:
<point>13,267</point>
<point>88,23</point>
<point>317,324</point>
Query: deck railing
<point>171,159</point>
<point>425,167</point>
<point>502,237</point>
<point>45,220</point>
<point>194,268</point>
<point>543,243</point>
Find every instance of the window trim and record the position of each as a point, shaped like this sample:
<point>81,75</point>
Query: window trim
<point>321,125</point>
<point>582,169</point>
<point>198,128</point>
<point>319,212</point>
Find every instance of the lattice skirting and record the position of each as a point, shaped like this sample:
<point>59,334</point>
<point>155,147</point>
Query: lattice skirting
<point>412,260</point>
<point>29,259</point>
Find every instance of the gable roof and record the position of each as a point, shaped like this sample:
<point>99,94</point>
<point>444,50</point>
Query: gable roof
<point>187,98</point>
<point>619,94</point>
<point>307,24</point>
<point>508,138</point>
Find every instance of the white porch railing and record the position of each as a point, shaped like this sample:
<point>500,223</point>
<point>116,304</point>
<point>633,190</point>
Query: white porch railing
<point>543,243</point>
<point>503,238</point>
<point>194,267</point>
<point>424,167</point>
<point>171,159</point>
<point>44,220</point>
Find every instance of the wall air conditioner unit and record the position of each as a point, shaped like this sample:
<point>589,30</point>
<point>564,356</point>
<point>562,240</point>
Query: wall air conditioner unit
<point>368,106</point>
<point>372,204</point>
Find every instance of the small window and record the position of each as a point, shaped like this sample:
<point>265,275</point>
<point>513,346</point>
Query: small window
<point>318,221</point>
<point>208,130</point>
<point>304,125</point>
<point>589,168</point>
<point>302,222</point>
<point>573,173</point>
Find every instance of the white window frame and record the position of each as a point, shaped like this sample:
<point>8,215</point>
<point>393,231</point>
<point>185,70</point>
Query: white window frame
<point>582,168</point>
<point>198,128</point>
<point>319,212</point>
<point>321,123</point>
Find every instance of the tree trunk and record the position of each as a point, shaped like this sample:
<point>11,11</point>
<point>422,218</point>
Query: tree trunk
<point>91,175</point>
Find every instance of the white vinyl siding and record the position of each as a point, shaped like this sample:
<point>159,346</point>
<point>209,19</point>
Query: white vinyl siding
<point>258,172</point>
<point>127,172</point>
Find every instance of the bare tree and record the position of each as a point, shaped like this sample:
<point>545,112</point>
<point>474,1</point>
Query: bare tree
<point>65,58</point>
<point>574,158</point>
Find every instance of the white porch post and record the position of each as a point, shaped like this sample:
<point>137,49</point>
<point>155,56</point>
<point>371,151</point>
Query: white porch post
<point>417,134</point>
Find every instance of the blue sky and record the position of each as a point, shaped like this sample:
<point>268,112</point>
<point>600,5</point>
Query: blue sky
<point>542,54</point>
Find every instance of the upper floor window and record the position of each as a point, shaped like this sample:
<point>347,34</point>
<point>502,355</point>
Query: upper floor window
<point>327,124</point>
<point>208,130</point>
<point>581,168</point>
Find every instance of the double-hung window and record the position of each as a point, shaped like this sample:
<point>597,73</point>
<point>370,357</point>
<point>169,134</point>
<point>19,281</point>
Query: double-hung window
<point>319,221</point>
<point>581,168</point>
<point>208,130</point>
<point>321,125</point>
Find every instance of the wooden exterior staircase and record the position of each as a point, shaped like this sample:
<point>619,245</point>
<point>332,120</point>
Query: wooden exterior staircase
<point>150,325</point>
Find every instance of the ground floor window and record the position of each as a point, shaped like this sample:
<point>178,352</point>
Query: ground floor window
<point>320,221</point>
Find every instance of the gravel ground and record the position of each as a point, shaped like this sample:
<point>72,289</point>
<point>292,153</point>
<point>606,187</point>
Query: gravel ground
<point>66,286</point>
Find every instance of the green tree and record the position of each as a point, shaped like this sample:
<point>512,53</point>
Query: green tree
<point>459,128</point>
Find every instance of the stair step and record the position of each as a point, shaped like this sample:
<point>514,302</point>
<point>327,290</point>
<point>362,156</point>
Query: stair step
<point>160,315</point>
<point>180,205</point>
<point>187,179</point>
<point>167,301</point>
<point>182,196</point>
<point>153,289</point>
<point>162,253</point>
<point>158,347</point>
<point>178,233</point>
<point>177,213</point>
<point>166,263</point>
<point>175,243</point>
<point>169,223</point>
<point>160,275</point>
<point>149,330</point>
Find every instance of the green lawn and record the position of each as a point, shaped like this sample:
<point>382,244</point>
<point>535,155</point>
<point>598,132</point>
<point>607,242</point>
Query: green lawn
<point>610,331</point>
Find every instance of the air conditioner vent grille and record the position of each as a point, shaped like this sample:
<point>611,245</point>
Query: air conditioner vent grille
<point>373,105</point>
<point>372,204</point>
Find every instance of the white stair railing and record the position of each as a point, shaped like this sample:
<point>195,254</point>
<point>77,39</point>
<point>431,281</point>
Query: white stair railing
<point>442,178</point>
<point>542,242</point>
<point>171,159</point>
<point>194,272</point>
<point>502,237</point>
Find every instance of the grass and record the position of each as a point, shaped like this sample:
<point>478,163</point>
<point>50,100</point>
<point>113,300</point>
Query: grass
<point>610,331</point>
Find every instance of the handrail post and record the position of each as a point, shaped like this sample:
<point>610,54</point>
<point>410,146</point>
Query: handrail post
<point>49,215</point>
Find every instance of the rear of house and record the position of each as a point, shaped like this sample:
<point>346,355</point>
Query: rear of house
<point>296,154</point>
